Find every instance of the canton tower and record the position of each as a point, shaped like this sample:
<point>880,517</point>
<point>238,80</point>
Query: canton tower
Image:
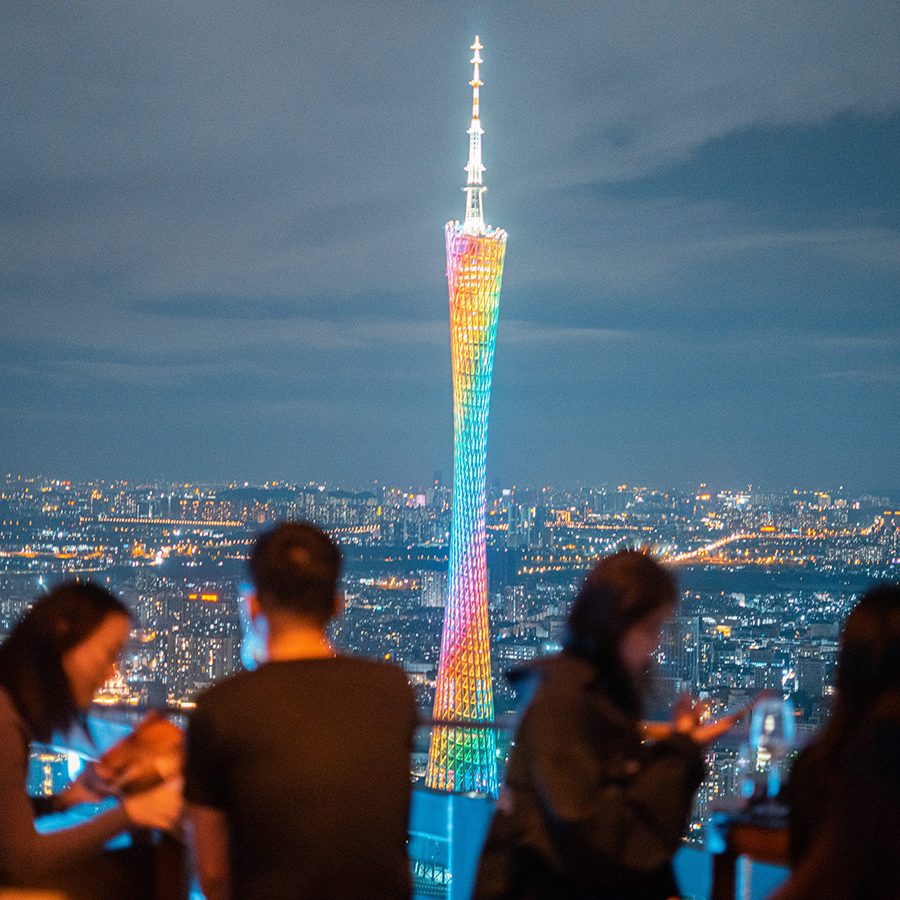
<point>464,759</point>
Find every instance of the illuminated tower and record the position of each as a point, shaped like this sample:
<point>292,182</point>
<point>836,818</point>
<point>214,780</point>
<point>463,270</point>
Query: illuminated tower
<point>463,759</point>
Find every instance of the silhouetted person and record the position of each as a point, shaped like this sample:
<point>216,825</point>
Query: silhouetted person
<point>854,853</point>
<point>297,774</point>
<point>844,789</point>
<point>587,809</point>
<point>54,661</point>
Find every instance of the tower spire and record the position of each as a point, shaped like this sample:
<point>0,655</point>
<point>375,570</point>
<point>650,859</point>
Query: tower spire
<point>474,223</point>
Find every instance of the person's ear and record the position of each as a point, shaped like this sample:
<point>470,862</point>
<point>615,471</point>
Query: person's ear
<point>253,607</point>
<point>337,608</point>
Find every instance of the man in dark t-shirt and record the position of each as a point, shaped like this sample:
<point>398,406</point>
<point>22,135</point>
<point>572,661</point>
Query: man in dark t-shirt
<point>297,775</point>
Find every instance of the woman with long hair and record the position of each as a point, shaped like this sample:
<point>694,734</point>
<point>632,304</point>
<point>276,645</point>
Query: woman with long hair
<point>51,665</point>
<point>588,808</point>
<point>844,790</point>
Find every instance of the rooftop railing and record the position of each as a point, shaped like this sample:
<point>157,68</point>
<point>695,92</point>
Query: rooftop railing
<point>446,831</point>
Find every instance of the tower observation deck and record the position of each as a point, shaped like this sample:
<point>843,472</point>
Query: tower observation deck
<point>463,759</point>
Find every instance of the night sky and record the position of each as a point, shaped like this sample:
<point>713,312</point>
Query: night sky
<point>221,248</point>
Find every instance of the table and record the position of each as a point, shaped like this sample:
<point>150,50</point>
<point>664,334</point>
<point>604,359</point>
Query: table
<point>758,832</point>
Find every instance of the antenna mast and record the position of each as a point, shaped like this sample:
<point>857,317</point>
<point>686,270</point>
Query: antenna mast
<point>474,223</point>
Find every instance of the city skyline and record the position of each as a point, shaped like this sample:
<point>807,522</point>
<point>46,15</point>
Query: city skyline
<point>496,483</point>
<point>765,581</point>
<point>201,219</point>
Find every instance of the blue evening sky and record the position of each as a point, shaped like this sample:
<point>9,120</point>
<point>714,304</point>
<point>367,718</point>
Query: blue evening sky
<point>221,250</point>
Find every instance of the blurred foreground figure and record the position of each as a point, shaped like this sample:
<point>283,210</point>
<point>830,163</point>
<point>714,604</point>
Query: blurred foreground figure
<point>588,810</point>
<point>58,656</point>
<point>844,790</point>
<point>297,774</point>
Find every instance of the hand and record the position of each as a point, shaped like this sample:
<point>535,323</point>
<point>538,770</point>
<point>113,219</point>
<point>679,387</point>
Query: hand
<point>146,772</point>
<point>88,787</point>
<point>160,807</point>
<point>152,753</point>
<point>689,716</point>
<point>711,731</point>
<point>657,731</point>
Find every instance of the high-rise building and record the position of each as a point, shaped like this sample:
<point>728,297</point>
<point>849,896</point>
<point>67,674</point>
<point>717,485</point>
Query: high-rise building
<point>463,759</point>
<point>433,588</point>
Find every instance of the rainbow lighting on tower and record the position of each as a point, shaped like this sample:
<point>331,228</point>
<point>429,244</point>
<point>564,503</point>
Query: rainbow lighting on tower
<point>464,759</point>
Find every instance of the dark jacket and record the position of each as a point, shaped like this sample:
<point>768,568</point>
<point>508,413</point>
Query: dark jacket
<point>808,795</point>
<point>853,851</point>
<point>587,810</point>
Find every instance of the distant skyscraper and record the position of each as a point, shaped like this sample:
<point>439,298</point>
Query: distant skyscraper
<point>434,588</point>
<point>464,759</point>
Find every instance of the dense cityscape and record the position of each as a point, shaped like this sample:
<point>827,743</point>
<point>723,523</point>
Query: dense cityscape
<point>767,578</point>
<point>526,675</point>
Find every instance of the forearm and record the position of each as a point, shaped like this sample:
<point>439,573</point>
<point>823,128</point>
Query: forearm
<point>207,832</point>
<point>657,731</point>
<point>72,795</point>
<point>27,853</point>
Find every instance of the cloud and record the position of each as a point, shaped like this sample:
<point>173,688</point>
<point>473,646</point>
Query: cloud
<point>250,196</point>
<point>886,341</point>
<point>888,374</point>
<point>527,333</point>
<point>651,83</point>
<point>256,149</point>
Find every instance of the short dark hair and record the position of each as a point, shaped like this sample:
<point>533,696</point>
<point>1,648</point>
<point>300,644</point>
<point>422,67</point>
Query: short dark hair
<point>31,658</point>
<point>618,592</point>
<point>295,567</point>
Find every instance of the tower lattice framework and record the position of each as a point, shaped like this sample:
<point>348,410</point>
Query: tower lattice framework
<point>463,758</point>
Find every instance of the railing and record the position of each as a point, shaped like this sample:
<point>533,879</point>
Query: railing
<point>447,830</point>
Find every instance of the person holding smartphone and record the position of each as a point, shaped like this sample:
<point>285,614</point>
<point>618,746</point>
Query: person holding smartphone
<point>57,657</point>
<point>591,807</point>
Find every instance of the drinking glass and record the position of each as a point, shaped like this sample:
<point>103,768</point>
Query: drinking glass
<point>771,738</point>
